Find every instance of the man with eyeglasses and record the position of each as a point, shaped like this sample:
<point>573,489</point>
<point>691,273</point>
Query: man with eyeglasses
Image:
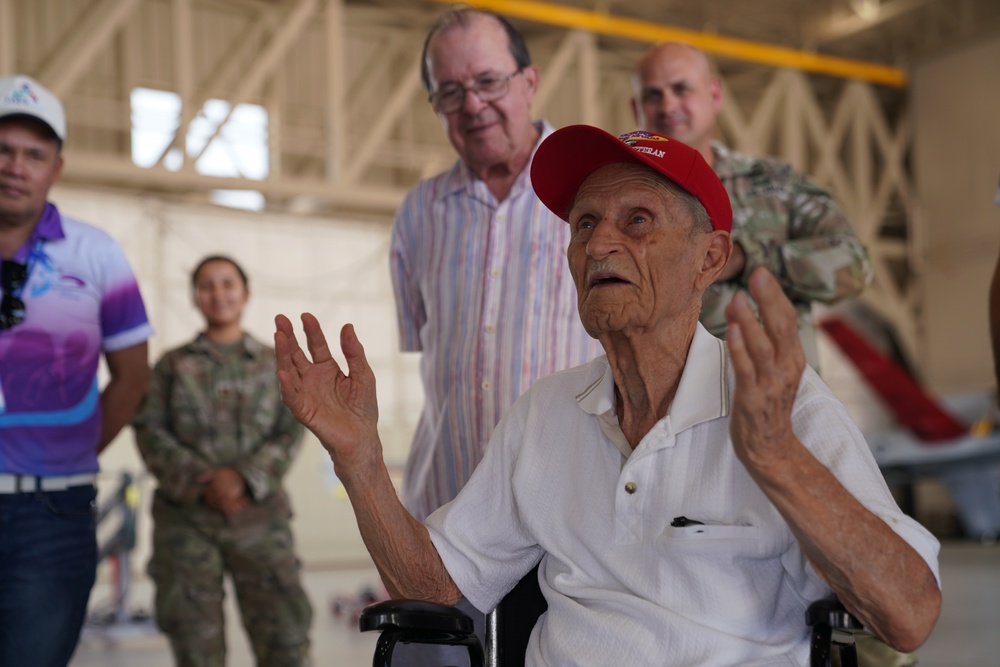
<point>481,283</point>
<point>68,296</point>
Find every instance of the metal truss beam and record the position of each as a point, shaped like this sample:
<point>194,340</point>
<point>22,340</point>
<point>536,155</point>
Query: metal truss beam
<point>253,79</point>
<point>121,172</point>
<point>225,76</point>
<point>77,53</point>
<point>603,23</point>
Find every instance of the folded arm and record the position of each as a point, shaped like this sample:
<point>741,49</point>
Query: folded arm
<point>342,411</point>
<point>875,573</point>
<point>803,238</point>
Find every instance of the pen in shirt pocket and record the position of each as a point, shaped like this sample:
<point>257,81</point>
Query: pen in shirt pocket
<point>682,521</point>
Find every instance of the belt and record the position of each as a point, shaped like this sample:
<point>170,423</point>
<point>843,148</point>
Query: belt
<point>11,483</point>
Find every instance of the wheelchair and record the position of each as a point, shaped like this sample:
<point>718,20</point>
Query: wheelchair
<point>509,626</point>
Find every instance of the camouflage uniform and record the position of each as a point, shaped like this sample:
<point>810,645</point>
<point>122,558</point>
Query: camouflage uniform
<point>211,406</point>
<point>792,227</point>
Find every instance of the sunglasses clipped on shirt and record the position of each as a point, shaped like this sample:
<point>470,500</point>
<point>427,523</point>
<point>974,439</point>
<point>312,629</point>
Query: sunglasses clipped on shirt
<point>13,276</point>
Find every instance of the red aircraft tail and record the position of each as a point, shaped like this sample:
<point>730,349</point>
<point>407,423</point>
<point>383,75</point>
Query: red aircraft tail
<point>910,404</point>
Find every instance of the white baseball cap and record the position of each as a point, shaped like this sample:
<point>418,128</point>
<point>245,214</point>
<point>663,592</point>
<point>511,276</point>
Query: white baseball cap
<point>21,95</point>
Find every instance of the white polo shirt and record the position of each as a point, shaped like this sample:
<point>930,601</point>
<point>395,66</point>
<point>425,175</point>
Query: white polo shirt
<point>624,586</point>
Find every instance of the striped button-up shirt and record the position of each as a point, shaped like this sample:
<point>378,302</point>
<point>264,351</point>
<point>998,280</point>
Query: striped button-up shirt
<point>484,291</point>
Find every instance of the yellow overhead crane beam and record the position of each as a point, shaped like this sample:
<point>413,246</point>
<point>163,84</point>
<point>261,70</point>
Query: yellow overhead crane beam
<point>729,47</point>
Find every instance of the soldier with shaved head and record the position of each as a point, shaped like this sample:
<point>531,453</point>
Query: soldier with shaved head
<point>781,220</point>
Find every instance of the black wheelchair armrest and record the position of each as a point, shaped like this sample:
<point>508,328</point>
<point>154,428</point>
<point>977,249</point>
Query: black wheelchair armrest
<point>414,615</point>
<point>832,625</point>
<point>418,622</point>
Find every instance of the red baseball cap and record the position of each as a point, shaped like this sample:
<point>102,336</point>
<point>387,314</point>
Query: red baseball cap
<point>569,155</point>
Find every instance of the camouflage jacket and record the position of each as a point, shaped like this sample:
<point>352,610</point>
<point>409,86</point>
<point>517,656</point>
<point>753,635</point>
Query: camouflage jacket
<point>793,227</point>
<point>206,409</point>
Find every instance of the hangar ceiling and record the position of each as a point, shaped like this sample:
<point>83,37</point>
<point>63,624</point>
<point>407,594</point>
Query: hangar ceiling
<point>348,127</point>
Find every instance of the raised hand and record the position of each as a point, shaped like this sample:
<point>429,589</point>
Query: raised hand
<point>768,361</point>
<point>342,410</point>
<point>343,413</point>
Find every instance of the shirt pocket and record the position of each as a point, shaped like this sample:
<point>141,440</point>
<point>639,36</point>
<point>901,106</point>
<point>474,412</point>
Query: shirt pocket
<point>722,575</point>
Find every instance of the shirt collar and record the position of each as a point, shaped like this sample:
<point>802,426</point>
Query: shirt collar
<point>702,394</point>
<point>465,182</point>
<point>48,228</point>
<point>251,348</point>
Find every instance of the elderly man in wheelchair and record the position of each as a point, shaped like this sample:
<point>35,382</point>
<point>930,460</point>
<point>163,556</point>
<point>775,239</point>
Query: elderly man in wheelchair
<point>685,498</point>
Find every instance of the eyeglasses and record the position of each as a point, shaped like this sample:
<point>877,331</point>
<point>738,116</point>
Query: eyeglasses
<point>487,88</point>
<point>13,276</point>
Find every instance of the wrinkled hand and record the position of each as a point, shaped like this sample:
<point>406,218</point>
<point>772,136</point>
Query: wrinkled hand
<point>225,490</point>
<point>768,361</point>
<point>341,410</point>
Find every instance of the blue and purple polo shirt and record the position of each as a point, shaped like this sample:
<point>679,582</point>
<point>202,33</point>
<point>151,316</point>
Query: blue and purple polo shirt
<point>81,299</point>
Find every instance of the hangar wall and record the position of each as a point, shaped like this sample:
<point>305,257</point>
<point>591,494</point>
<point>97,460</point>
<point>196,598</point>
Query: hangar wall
<point>956,111</point>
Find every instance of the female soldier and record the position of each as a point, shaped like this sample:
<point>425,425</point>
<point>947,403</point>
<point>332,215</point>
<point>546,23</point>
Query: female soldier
<point>214,433</point>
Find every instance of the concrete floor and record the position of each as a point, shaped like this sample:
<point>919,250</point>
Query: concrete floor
<point>966,635</point>
<point>335,639</point>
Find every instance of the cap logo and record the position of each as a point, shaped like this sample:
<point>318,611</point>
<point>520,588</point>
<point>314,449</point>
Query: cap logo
<point>633,138</point>
<point>22,97</point>
<point>649,151</point>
